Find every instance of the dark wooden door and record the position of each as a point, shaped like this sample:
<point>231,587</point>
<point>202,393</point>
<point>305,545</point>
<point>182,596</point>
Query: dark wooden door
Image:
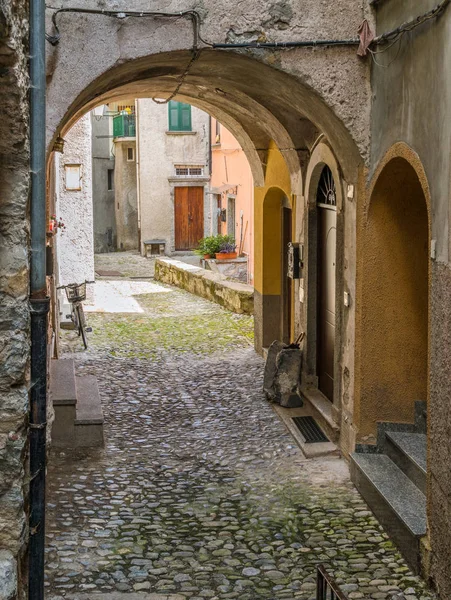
<point>327,241</point>
<point>189,217</point>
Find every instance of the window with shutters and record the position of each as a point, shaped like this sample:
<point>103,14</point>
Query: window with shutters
<point>179,116</point>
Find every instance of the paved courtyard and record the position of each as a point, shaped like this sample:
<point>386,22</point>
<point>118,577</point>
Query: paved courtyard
<point>200,492</point>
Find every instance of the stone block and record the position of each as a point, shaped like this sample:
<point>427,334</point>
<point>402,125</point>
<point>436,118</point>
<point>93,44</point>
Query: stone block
<point>8,575</point>
<point>282,376</point>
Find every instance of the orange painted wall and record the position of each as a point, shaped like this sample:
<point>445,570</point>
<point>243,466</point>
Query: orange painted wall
<point>230,166</point>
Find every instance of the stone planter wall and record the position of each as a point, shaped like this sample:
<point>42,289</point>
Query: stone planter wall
<point>237,297</point>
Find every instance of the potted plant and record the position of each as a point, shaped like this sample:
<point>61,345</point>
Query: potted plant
<point>227,249</point>
<point>207,247</point>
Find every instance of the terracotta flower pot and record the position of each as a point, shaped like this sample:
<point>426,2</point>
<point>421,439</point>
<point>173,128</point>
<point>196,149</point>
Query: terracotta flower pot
<point>226,255</point>
<point>207,256</point>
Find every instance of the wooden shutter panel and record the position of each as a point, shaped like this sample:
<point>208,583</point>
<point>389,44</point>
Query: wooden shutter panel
<point>173,111</point>
<point>185,110</point>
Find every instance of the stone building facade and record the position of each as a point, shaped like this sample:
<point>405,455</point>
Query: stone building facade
<point>165,154</point>
<point>324,130</point>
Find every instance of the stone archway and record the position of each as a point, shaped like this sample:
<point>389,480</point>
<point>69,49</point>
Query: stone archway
<point>394,311</point>
<point>274,115</point>
<point>323,159</point>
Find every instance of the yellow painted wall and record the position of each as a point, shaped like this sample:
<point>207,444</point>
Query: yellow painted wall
<point>394,309</point>
<point>267,222</point>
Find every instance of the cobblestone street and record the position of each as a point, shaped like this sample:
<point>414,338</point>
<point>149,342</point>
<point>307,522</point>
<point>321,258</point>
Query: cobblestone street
<point>200,492</point>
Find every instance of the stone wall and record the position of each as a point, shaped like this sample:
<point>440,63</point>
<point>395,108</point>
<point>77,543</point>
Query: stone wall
<point>237,297</point>
<point>75,244</point>
<point>102,197</point>
<point>14,310</point>
<point>126,201</point>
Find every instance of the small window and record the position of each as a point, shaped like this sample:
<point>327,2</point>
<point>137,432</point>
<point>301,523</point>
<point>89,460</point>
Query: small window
<point>189,170</point>
<point>73,177</point>
<point>130,154</point>
<point>179,116</point>
<point>110,179</point>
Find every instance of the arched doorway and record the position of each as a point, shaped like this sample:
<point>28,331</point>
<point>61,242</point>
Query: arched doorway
<point>277,233</point>
<point>394,311</point>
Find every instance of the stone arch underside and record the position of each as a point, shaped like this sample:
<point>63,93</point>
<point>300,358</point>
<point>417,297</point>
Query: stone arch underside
<point>258,103</point>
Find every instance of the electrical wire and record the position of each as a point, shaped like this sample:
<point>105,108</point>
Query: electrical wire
<point>397,33</point>
<point>193,15</point>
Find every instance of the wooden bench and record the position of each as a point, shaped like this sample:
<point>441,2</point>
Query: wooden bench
<point>156,247</point>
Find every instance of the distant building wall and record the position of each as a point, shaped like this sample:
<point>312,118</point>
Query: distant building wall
<point>103,198</point>
<point>230,166</point>
<point>126,206</point>
<point>159,150</point>
<point>75,244</point>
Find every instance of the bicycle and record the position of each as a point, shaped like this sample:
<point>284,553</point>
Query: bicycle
<point>76,293</point>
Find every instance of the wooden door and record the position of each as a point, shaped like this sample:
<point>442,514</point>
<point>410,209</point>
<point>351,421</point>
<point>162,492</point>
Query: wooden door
<point>327,238</point>
<point>189,217</point>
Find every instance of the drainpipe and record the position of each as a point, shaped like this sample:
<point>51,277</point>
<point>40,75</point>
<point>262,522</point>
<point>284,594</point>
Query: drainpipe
<point>39,303</point>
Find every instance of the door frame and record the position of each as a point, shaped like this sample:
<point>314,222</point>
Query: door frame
<point>191,182</point>
<point>321,157</point>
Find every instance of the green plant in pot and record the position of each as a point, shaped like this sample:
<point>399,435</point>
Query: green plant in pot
<point>207,247</point>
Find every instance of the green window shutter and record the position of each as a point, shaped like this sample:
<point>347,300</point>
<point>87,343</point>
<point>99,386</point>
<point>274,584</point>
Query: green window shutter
<point>173,109</point>
<point>179,116</point>
<point>185,117</point>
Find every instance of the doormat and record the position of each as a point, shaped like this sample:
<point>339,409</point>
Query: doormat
<point>310,429</point>
<point>102,273</point>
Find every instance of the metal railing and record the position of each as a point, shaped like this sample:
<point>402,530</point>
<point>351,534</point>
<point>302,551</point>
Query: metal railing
<point>326,586</point>
<point>124,126</point>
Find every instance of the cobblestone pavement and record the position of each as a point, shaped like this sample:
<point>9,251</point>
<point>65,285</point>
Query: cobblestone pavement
<point>132,264</point>
<point>200,492</point>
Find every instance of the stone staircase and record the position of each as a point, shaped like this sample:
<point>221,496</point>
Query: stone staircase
<point>76,403</point>
<point>391,477</point>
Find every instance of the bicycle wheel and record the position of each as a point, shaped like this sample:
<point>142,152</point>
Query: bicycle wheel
<point>81,325</point>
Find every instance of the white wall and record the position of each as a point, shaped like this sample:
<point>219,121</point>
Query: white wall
<point>75,245</point>
<point>158,151</point>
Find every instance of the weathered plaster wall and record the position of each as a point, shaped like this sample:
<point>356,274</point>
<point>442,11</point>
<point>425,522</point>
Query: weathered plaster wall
<point>230,165</point>
<point>75,244</point>
<point>412,104</point>
<point>102,197</point>
<point>125,195</point>
<point>159,150</point>
<point>14,311</point>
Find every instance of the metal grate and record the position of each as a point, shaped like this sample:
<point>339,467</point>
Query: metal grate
<point>310,430</point>
<point>326,586</point>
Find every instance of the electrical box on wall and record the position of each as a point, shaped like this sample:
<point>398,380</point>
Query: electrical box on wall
<point>294,261</point>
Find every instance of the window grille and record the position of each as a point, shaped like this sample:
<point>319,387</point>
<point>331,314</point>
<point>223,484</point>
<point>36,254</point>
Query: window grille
<point>189,170</point>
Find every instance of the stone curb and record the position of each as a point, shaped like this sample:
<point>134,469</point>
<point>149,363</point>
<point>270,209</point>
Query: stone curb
<point>236,297</point>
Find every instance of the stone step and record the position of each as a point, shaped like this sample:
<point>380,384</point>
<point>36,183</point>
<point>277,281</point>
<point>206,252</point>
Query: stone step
<point>63,390</point>
<point>89,414</point>
<point>395,500</point>
<point>409,452</point>
<point>63,395</point>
